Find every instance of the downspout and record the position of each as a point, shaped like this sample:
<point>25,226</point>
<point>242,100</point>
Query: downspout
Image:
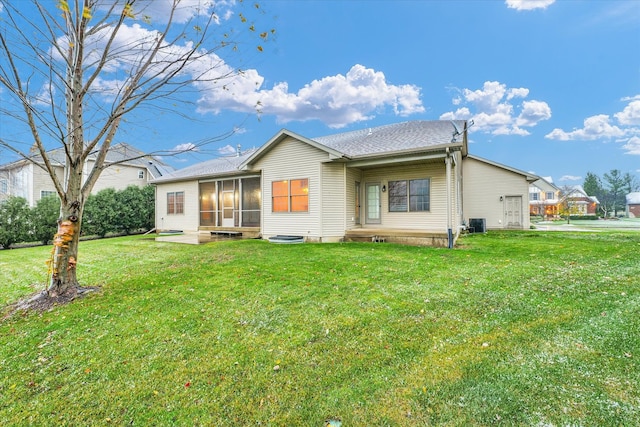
<point>447,162</point>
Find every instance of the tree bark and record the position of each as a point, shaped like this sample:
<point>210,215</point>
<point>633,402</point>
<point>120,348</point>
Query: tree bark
<point>64,255</point>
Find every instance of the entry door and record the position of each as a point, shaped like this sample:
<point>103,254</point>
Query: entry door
<point>373,203</point>
<point>513,211</point>
<point>228,198</point>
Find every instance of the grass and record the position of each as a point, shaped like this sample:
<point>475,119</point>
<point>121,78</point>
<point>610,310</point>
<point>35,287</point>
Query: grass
<point>522,328</point>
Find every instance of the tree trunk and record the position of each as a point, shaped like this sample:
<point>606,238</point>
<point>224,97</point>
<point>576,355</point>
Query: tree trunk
<point>64,255</point>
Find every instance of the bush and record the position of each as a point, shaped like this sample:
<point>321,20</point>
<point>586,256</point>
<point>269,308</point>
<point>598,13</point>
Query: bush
<point>101,213</point>
<point>44,219</point>
<point>108,211</point>
<point>135,208</point>
<point>14,221</point>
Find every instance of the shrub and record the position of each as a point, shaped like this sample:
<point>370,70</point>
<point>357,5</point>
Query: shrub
<point>44,219</point>
<point>101,214</point>
<point>14,221</point>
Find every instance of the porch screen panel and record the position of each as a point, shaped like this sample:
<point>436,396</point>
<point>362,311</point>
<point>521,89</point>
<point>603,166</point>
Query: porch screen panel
<point>207,203</point>
<point>251,201</point>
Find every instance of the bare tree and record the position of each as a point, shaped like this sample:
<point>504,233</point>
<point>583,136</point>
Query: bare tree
<point>73,72</point>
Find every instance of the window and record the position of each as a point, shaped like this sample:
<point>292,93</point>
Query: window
<point>534,196</point>
<point>550,195</point>
<point>4,187</point>
<point>411,195</point>
<point>290,196</point>
<point>141,174</point>
<point>175,202</point>
<point>45,193</point>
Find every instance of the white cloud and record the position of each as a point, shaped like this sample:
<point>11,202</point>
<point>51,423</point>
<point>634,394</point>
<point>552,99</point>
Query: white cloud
<point>159,11</point>
<point>227,150</point>
<point>335,100</point>
<point>570,178</point>
<point>632,146</point>
<point>528,4</point>
<point>630,116</point>
<point>595,127</point>
<point>600,127</point>
<point>496,111</point>
<point>181,148</point>
<point>533,112</point>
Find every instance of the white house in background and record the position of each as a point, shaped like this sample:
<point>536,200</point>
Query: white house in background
<point>411,182</point>
<point>25,179</point>
<point>544,197</point>
<point>633,205</point>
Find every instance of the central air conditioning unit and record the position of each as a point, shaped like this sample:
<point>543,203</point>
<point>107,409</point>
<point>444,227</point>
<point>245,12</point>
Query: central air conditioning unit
<point>477,225</point>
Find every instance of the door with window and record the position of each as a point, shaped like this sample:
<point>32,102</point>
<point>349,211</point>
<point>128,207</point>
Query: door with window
<point>513,211</point>
<point>373,203</point>
<point>228,205</point>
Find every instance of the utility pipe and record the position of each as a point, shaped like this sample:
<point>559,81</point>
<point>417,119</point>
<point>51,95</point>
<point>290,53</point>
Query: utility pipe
<point>447,162</point>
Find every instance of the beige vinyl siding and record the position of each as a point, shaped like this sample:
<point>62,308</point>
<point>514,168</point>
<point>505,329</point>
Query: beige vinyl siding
<point>433,220</point>
<point>190,219</point>
<point>42,181</point>
<point>333,201</point>
<point>118,177</point>
<point>292,159</point>
<point>484,184</point>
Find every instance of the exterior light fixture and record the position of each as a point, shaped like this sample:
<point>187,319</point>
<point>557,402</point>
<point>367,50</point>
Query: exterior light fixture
<point>384,188</point>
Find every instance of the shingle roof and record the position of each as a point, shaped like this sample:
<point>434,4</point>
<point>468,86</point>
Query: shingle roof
<point>217,166</point>
<point>402,137</point>
<point>118,153</point>
<point>405,136</point>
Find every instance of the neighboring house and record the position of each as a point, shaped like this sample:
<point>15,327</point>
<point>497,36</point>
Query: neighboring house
<point>411,182</point>
<point>543,198</point>
<point>27,179</point>
<point>633,205</point>
<point>578,202</point>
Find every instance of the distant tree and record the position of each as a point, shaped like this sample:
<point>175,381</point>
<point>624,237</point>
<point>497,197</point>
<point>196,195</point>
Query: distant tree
<point>631,183</point>
<point>14,221</point>
<point>592,184</point>
<point>73,71</point>
<point>44,218</point>
<point>615,187</point>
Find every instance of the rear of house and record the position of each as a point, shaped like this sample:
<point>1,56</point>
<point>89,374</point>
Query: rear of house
<point>396,183</point>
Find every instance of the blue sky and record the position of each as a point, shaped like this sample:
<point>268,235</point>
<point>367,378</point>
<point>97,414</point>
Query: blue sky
<point>553,87</point>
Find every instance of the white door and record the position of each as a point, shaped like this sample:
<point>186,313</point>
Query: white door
<point>228,205</point>
<point>513,211</point>
<point>373,203</point>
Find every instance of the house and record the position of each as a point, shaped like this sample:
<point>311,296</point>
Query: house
<point>577,202</point>
<point>127,166</point>
<point>633,205</point>
<point>544,197</point>
<point>411,182</point>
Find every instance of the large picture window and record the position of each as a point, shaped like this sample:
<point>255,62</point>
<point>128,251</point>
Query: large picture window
<point>409,195</point>
<point>175,202</point>
<point>290,196</point>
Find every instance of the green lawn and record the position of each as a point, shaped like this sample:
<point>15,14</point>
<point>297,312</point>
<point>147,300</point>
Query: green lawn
<point>521,328</point>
